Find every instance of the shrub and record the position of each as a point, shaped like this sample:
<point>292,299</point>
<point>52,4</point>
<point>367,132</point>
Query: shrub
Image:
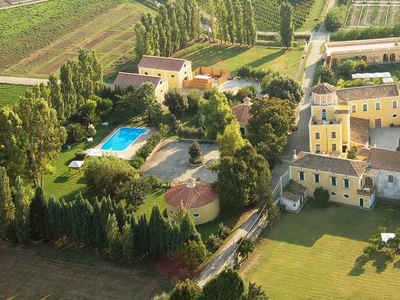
<point>195,153</point>
<point>321,196</point>
<point>190,132</point>
<point>213,243</point>
<point>224,231</point>
<point>80,155</point>
<point>335,18</point>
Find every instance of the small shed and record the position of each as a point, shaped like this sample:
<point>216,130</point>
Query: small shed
<point>76,164</point>
<point>197,197</point>
<point>293,196</point>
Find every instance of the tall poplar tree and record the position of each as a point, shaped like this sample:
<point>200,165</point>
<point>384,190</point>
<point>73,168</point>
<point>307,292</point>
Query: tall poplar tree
<point>286,27</point>
<point>249,23</point>
<point>113,238</point>
<point>37,218</point>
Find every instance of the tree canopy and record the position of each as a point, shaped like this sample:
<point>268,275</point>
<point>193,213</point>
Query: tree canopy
<point>284,87</point>
<point>230,140</point>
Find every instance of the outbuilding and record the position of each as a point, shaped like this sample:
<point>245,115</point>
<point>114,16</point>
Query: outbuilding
<point>197,197</point>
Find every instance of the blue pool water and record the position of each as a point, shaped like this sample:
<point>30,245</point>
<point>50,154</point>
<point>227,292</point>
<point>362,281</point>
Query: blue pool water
<point>123,138</point>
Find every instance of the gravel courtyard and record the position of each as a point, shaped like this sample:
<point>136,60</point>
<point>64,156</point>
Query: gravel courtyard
<point>170,162</point>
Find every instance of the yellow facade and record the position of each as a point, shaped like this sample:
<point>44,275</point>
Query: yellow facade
<point>200,215</point>
<point>373,51</point>
<point>380,112</point>
<point>175,78</point>
<point>342,188</point>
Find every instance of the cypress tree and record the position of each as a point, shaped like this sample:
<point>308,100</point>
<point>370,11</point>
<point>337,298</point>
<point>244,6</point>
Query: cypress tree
<point>154,230</point>
<point>87,230</point>
<point>120,213</point>
<point>127,242</point>
<point>143,236</point>
<point>22,223</point>
<point>99,230</point>
<point>38,214</point>
<point>51,223</point>
<point>7,208</point>
<point>66,219</point>
<point>114,244</point>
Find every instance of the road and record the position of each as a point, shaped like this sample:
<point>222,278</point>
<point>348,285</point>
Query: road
<point>22,80</point>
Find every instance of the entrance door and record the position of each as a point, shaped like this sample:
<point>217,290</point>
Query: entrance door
<point>378,123</point>
<point>361,202</point>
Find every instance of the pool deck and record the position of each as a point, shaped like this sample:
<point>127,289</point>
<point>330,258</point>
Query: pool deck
<point>129,153</point>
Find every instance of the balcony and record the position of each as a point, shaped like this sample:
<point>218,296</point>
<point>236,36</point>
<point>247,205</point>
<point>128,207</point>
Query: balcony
<point>325,122</point>
<point>366,190</point>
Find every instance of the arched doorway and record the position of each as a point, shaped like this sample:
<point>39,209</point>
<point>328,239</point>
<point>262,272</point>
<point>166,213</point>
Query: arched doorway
<point>364,58</point>
<point>323,114</point>
<point>392,57</point>
<point>385,58</point>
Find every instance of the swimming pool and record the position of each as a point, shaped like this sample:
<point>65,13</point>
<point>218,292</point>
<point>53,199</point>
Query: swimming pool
<point>123,138</point>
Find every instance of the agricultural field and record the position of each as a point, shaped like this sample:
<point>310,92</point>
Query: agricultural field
<point>267,13</point>
<point>47,271</point>
<point>10,94</point>
<point>232,57</point>
<point>318,254</point>
<point>37,39</point>
<point>363,13</point>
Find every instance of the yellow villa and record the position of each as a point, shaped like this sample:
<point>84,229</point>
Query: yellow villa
<point>348,181</point>
<point>341,119</point>
<point>125,80</point>
<point>175,70</point>
<point>373,51</point>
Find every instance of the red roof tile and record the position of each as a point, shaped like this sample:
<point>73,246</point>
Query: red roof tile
<point>135,80</point>
<point>323,88</point>
<point>383,159</point>
<point>162,63</point>
<point>192,197</point>
<point>241,112</point>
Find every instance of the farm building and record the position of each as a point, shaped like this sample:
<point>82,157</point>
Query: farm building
<point>175,70</point>
<point>125,80</point>
<point>373,51</point>
<point>197,197</point>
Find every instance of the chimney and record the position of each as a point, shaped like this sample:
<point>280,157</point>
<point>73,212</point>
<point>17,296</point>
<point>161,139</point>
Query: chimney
<point>294,154</point>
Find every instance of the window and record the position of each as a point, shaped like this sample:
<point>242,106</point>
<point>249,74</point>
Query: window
<point>316,178</point>
<point>394,104</point>
<point>196,215</point>
<point>317,135</point>
<point>301,175</point>
<point>159,74</point>
<point>333,134</point>
<point>333,193</point>
<point>354,108</point>
<point>172,76</point>
<point>146,73</point>
<point>333,180</point>
<point>346,183</point>
<point>318,148</point>
<point>323,114</point>
<point>171,212</point>
<point>394,116</point>
<point>368,181</point>
<point>377,106</point>
<point>390,178</point>
<point>365,107</point>
<point>333,147</point>
<point>346,196</point>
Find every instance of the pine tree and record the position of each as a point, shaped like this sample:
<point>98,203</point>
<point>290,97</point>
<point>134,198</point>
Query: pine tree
<point>7,208</point>
<point>113,238</point>
<point>22,223</point>
<point>38,214</point>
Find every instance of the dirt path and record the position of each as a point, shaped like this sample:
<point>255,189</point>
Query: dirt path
<point>26,275</point>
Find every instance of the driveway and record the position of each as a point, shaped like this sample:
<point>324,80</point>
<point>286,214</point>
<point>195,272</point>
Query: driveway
<point>385,138</point>
<point>170,162</point>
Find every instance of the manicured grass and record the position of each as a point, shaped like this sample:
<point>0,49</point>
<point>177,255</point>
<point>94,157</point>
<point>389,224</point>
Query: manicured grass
<point>318,254</point>
<point>155,198</point>
<point>232,57</point>
<point>10,94</point>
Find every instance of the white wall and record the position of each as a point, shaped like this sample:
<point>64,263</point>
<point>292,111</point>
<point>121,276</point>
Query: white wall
<point>387,189</point>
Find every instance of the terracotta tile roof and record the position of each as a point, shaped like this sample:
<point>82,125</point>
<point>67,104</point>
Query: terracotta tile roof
<point>330,164</point>
<point>135,80</point>
<point>383,159</point>
<point>241,112</point>
<point>359,130</point>
<point>335,153</point>
<point>363,151</point>
<point>294,192</point>
<point>367,92</point>
<point>162,63</point>
<point>323,88</point>
<point>191,197</point>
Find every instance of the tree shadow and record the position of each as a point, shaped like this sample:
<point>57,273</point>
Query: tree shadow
<point>396,265</point>
<point>358,268</point>
<point>61,179</point>
<point>81,180</point>
<point>381,261</point>
<point>267,58</point>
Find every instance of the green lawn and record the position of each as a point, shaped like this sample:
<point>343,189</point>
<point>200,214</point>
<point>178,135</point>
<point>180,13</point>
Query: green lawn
<point>316,16</point>
<point>318,254</point>
<point>232,57</point>
<point>10,94</point>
